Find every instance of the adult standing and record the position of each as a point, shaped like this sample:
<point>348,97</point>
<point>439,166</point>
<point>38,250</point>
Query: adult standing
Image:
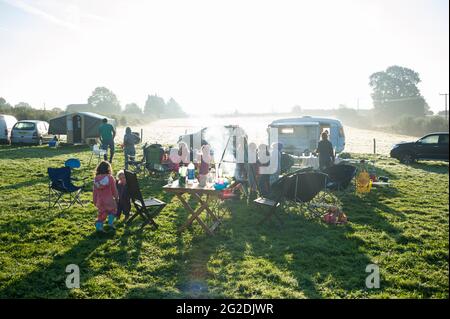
<point>326,152</point>
<point>107,135</point>
<point>129,140</point>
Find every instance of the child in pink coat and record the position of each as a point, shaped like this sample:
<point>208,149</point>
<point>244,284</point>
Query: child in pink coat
<point>105,195</point>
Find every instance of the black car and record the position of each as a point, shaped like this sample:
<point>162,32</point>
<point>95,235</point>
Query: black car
<point>433,146</point>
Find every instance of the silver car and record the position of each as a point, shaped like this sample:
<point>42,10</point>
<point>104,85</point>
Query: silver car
<point>30,132</point>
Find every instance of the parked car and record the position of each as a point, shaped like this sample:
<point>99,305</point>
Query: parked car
<point>30,132</point>
<point>6,124</point>
<point>433,146</point>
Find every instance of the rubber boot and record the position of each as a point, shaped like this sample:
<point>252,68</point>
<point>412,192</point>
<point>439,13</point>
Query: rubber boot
<point>99,227</point>
<point>111,221</point>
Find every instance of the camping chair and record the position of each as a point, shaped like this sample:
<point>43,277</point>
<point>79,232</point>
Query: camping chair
<point>61,184</point>
<point>154,154</point>
<point>340,176</point>
<point>299,188</point>
<point>98,152</point>
<point>149,208</point>
<point>137,166</point>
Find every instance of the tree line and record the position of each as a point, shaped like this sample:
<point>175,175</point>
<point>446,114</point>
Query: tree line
<point>398,106</point>
<point>105,102</point>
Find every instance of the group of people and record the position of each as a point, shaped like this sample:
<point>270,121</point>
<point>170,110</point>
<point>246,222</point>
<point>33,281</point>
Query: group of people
<point>110,196</point>
<point>259,166</point>
<point>107,134</point>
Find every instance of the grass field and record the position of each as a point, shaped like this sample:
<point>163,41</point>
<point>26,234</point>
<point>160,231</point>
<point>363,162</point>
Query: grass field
<point>403,229</point>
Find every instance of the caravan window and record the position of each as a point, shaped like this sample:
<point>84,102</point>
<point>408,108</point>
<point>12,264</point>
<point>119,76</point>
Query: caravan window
<point>287,130</point>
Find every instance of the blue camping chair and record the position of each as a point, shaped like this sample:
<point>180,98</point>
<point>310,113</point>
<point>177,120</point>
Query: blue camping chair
<point>61,184</point>
<point>72,163</point>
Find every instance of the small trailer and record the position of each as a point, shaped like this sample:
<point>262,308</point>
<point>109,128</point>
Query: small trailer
<point>80,127</point>
<point>301,135</point>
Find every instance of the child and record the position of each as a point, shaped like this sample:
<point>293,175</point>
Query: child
<point>105,195</point>
<point>123,205</point>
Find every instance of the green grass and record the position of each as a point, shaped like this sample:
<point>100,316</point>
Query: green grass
<point>403,229</point>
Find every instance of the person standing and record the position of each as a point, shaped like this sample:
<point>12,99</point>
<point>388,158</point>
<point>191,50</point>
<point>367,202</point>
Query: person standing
<point>129,140</point>
<point>107,135</point>
<point>326,152</point>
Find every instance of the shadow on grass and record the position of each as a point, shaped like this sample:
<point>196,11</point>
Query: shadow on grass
<point>21,152</point>
<point>27,183</point>
<point>317,255</point>
<point>49,280</point>
<point>432,167</point>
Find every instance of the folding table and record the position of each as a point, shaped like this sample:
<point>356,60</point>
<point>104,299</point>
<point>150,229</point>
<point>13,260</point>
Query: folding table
<point>197,193</point>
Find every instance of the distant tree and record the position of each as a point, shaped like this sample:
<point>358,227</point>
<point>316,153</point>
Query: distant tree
<point>132,108</point>
<point>104,100</point>
<point>296,109</point>
<point>57,110</point>
<point>173,109</point>
<point>154,106</point>
<point>4,106</point>
<point>72,108</point>
<point>395,93</point>
<point>23,105</point>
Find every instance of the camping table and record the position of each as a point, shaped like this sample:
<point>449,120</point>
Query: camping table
<point>197,192</point>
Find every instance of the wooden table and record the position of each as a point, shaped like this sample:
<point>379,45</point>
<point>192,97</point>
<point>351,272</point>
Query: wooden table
<point>196,192</point>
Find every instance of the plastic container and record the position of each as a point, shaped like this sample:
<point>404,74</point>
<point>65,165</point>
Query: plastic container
<point>191,173</point>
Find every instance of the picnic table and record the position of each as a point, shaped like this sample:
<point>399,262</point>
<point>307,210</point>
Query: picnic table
<point>197,193</point>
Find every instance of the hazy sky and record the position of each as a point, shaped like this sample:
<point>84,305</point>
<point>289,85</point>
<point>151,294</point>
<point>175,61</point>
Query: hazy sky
<point>217,56</point>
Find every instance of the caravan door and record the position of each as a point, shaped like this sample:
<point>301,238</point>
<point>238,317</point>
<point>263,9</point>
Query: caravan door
<point>76,125</point>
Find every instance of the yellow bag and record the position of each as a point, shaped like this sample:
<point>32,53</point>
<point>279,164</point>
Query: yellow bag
<point>363,182</point>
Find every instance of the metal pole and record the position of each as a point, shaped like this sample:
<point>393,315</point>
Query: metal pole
<point>374,146</point>
<point>445,95</point>
<point>142,135</point>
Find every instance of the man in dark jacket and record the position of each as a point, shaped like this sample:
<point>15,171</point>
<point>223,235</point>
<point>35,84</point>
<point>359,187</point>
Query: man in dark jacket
<point>326,152</point>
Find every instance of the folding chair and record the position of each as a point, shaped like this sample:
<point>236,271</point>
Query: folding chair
<point>299,188</point>
<point>154,154</point>
<point>61,184</point>
<point>137,166</point>
<point>340,176</point>
<point>149,208</point>
<point>98,152</point>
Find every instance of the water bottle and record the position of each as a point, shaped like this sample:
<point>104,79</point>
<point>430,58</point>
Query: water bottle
<point>191,173</point>
<point>182,175</point>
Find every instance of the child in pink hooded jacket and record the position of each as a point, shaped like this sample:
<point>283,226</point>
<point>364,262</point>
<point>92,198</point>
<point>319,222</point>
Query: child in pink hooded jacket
<point>105,195</point>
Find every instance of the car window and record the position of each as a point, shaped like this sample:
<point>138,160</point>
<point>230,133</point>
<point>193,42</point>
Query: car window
<point>25,126</point>
<point>431,139</point>
<point>443,139</point>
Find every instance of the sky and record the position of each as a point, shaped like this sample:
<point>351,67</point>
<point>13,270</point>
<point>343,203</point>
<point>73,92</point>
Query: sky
<point>219,56</point>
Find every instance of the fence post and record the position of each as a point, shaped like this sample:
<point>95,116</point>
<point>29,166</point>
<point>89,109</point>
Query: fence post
<point>142,135</point>
<point>374,146</point>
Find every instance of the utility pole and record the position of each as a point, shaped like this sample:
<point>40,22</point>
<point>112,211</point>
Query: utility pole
<point>446,95</point>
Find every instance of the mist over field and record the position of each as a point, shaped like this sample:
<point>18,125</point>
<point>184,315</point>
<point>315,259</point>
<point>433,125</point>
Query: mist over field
<point>167,131</point>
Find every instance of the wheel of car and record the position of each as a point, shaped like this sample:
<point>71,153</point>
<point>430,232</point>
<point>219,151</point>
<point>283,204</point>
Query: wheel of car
<point>407,158</point>
<point>40,141</point>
